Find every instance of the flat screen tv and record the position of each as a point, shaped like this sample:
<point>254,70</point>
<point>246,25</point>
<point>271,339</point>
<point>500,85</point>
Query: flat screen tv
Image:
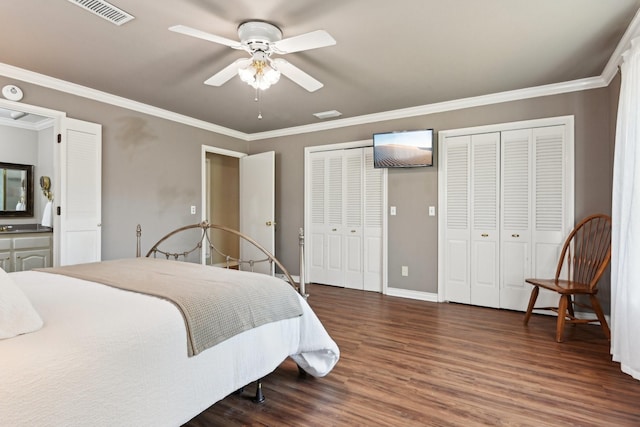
<point>408,149</point>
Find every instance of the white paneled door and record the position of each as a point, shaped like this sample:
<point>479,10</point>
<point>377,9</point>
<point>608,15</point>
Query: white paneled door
<point>353,210</point>
<point>485,176</point>
<point>80,199</point>
<point>457,252</point>
<point>257,207</point>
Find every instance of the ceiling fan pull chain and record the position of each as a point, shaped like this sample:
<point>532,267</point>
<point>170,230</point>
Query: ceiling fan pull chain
<point>257,99</point>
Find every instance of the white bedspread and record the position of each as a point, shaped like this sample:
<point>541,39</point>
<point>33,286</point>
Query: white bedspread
<point>108,357</point>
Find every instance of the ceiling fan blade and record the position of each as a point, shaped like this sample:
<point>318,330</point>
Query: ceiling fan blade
<point>188,31</point>
<point>296,75</point>
<point>227,73</point>
<point>307,41</point>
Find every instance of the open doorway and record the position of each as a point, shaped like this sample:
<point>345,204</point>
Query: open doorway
<point>222,204</point>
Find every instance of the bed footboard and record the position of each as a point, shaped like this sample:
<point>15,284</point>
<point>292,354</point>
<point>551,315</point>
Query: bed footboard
<point>205,241</point>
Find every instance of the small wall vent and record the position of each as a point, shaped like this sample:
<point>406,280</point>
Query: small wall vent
<point>104,10</point>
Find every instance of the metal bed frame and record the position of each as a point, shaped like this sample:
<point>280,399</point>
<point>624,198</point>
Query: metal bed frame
<point>205,241</point>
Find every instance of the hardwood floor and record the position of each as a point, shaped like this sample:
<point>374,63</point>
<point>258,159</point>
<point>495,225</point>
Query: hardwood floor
<point>406,362</point>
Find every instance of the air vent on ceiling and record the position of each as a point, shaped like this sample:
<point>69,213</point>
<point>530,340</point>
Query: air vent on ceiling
<point>327,114</point>
<point>104,10</point>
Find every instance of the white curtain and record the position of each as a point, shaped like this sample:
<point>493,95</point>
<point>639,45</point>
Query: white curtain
<point>625,239</point>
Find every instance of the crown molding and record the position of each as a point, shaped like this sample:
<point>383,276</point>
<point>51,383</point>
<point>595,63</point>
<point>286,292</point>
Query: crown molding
<point>42,124</point>
<point>458,104</point>
<point>633,31</point>
<point>107,98</point>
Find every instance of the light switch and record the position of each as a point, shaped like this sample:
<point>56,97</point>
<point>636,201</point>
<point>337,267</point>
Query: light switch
<point>432,211</point>
<point>393,210</point>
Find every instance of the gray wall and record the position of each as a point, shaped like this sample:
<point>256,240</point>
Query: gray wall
<point>413,235</point>
<point>150,167</point>
<point>151,171</point>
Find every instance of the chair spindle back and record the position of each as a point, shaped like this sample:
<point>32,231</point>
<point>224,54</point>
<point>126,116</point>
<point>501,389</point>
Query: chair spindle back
<point>587,251</point>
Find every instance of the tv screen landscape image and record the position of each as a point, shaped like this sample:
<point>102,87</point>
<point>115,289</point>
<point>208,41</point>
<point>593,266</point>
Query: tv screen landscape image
<point>407,149</point>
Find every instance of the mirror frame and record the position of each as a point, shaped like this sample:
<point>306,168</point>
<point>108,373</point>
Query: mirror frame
<point>30,191</point>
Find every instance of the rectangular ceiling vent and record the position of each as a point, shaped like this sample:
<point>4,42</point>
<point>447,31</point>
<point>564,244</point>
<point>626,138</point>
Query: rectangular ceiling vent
<point>104,10</point>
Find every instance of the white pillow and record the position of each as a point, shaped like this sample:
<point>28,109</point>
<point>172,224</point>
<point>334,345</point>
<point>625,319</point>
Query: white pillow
<point>17,315</point>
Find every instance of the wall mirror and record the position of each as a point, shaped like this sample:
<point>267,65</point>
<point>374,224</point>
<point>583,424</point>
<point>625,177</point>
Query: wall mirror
<point>16,190</point>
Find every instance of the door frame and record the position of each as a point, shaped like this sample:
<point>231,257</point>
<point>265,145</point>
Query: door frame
<point>204,179</point>
<point>57,117</point>
<point>307,202</point>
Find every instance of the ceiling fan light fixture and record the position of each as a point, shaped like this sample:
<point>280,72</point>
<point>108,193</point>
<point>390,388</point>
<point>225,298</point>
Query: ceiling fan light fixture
<point>260,73</point>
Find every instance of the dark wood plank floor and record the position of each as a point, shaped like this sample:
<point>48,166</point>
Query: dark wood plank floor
<point>407,362</point>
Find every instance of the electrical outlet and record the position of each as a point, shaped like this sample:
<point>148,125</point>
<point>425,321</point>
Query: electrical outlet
<point>405,270</point>
<point>193,210</point>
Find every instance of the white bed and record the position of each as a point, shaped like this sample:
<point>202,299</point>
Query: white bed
<point>107,357</point>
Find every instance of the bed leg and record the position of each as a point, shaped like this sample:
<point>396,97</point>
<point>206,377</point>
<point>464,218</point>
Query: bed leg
<point>259,395</point>
<point>301,372</point>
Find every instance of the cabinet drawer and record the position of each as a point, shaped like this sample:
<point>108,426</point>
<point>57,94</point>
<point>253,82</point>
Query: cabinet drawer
<point>31,242</point>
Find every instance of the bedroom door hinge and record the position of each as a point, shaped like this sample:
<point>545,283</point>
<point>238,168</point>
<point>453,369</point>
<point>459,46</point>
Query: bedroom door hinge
<point>58,210</point>
<point>59,138</point>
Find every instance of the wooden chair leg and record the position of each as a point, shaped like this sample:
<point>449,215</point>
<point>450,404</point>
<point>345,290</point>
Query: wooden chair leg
<point>532,303</point>
<point>570,307</point>
<point>603,320</point>
<point>562,315</point>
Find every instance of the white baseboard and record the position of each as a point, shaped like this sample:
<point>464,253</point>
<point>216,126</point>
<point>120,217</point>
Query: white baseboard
<point>418,295</point>
<point>283,277</point>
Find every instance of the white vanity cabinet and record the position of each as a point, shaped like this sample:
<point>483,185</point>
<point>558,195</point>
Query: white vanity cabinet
<point>5,254</point>
<point>25,251</point>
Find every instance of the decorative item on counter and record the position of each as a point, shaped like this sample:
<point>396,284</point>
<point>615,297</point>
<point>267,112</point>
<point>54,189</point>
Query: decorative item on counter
<point>47,214</point>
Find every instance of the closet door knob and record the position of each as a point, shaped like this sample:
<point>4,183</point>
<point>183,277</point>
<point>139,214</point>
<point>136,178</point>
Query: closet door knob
<point>515,235</point>
<point>484,235</point>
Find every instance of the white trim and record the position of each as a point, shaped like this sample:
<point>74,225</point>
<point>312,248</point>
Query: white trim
<point>417,295</point>
<point>633,30</point>
<point>500,127</point>
<point>42,124</point>
<point>32,109</point>
<point>338,146</point>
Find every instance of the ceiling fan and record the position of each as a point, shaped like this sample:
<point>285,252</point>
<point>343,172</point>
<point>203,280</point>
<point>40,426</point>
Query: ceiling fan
<point>261,40</point>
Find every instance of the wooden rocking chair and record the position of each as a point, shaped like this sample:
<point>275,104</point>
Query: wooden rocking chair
<point>585,255</point>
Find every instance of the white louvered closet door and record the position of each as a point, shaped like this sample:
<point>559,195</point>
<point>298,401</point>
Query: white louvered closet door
<point>508,207</point>
<point>457,258</point>
<point>485,180</point>
<point>317,234</point>
<point>326,247</point>
<point>373,218</point>
<point>352,230</point>
<point>516,218</point>
<point>549,194</point>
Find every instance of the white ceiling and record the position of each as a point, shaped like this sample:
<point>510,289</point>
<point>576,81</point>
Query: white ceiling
<point>389,54</point>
